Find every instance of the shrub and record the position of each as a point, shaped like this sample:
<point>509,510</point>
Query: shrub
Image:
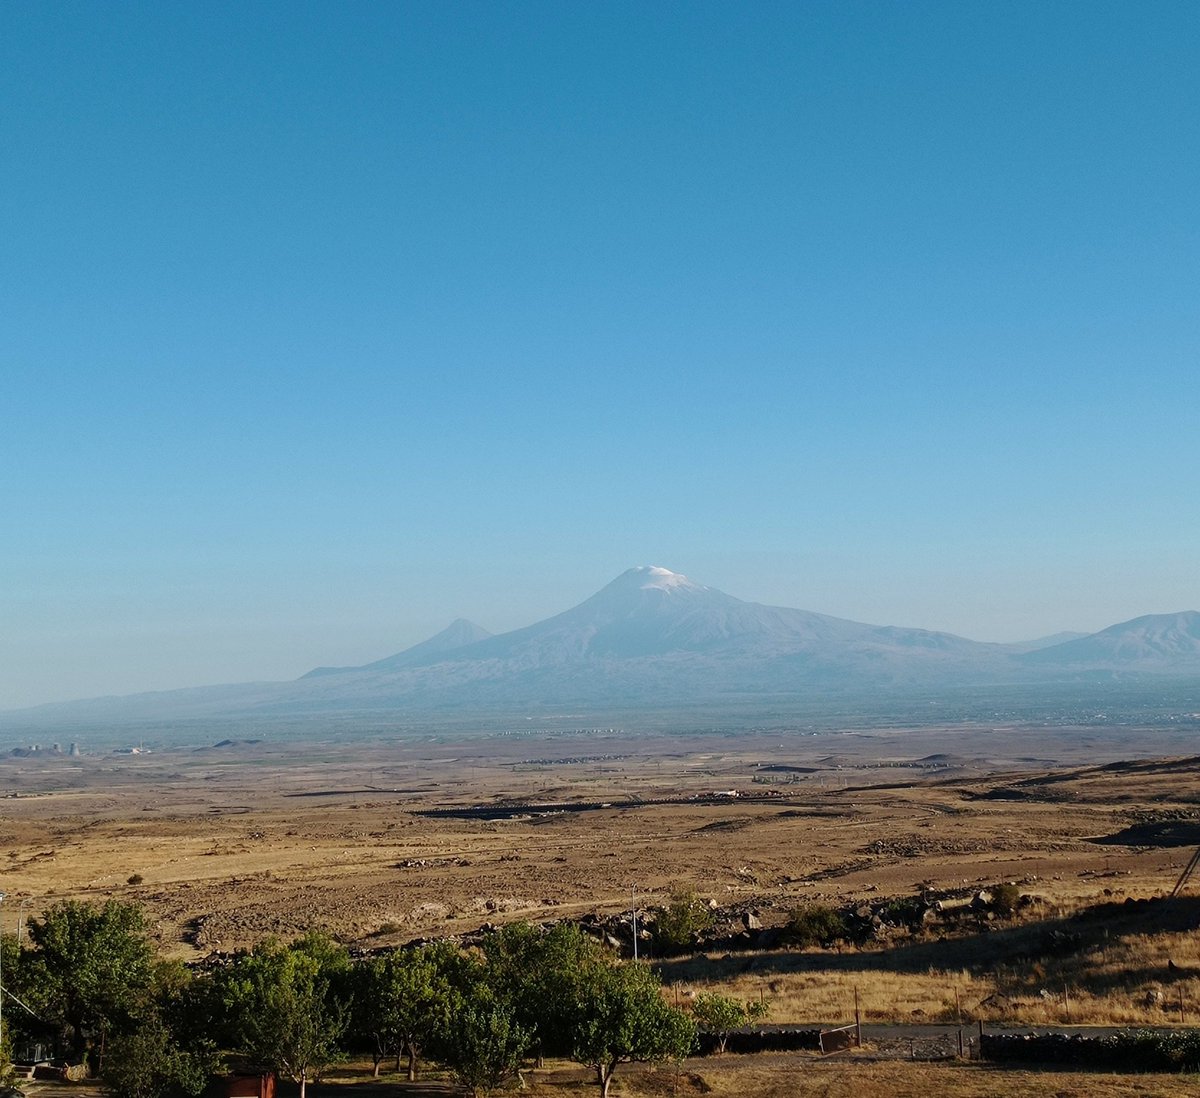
<point>389,927</point>
<point>814,924</point>
<point>677,925</point>
<point>1005,899</point>
<point>135,879</point>
<point>718,1014</point>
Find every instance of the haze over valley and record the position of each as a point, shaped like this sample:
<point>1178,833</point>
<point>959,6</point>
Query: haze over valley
<point>655,647</point>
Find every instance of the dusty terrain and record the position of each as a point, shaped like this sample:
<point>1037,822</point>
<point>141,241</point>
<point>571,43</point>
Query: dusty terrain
<point>226,844</point>
<point>381,843</point>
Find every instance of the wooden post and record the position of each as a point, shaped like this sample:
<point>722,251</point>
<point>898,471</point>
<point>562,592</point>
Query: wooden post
<point>1067,1000</point>
<point>960,1043</point>
<point>858,1019</point>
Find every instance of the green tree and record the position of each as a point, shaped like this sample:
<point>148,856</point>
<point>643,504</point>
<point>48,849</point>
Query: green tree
<point>287,1004</point>
<point>169,1048</point>
<point>680,922</point>
<point>7,1075</point>
<point>486,1042</point>
<point>539,973</point>
<point>719,1014</point>
<point>402,999</point>
<point>90,968</point>
<point>621,1017</point>
<point>150,1061</point>
<point>11,971</point>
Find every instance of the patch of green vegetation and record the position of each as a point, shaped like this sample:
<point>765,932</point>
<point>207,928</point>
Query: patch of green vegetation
<point>814,925</point>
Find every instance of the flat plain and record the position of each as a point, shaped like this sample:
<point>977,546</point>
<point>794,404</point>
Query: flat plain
<point>384,842</point>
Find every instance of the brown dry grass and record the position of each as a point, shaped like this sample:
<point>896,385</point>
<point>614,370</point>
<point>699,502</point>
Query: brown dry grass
<point>268,839</point>
<point>244,842</point>
<point>786,1075</point>
<point>1107,965</point>
<point>778,1077</point>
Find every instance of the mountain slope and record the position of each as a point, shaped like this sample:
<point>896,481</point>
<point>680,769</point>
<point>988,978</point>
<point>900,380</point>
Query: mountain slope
<point>650,612</point>
<point>654,634</point>
<point>458,634</point>
<point>653,640</point>
<point>1046,642</point>
<point>1154,642</point>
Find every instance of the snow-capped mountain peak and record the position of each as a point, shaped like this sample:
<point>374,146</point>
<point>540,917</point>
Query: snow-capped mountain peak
<point>662,578</point>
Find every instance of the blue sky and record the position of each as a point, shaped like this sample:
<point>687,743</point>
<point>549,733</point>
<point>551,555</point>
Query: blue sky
<point>321,325</point>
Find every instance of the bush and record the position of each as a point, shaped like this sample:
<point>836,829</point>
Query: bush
<point>1006,898</point>
<point>135,879</point>
<point>681,922</point>
<point>717,1014</point>
<point>814,924</point>
<point>389,927</point>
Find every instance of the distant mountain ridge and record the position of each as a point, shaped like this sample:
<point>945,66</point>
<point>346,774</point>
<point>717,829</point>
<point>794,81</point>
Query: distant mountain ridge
<point>1046,642</point>
<point>458,634</point>
<point>653,639</point>
<point>1152,642</point>
<point>650,612</point>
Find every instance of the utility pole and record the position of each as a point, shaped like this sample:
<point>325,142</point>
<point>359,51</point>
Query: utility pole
<point>21,920</point>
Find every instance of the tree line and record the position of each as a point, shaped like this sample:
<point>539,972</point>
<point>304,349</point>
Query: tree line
<point>90,984</point>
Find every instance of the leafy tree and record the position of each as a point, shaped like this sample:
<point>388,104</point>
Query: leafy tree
<point>7,1075</point>
<point>402,999</point>
<point>169,1049</point>
<point>11,971</point>
<point>718,1014</point>
<point>622,1017</point>
<point>288,1004</point>
<point>539,973</point>
<point>677,925</point>
<point>150,1061</point>
<point>486,1042</point>
<point>90,968</point>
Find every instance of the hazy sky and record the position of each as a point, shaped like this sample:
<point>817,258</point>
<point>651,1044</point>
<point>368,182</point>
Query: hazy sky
<point>322,324</point>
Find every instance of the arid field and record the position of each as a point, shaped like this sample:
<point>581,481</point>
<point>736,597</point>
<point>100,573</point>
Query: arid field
<point>383,843</point>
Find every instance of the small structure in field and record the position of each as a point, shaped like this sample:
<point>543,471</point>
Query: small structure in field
<point>249,1085</point>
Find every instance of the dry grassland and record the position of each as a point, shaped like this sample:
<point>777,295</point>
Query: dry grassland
<point>226,845</point>
<point>1020,973</point>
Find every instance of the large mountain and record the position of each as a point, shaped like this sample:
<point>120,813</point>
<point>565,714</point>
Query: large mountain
<point>653,640</point>
<point>647,615</point>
